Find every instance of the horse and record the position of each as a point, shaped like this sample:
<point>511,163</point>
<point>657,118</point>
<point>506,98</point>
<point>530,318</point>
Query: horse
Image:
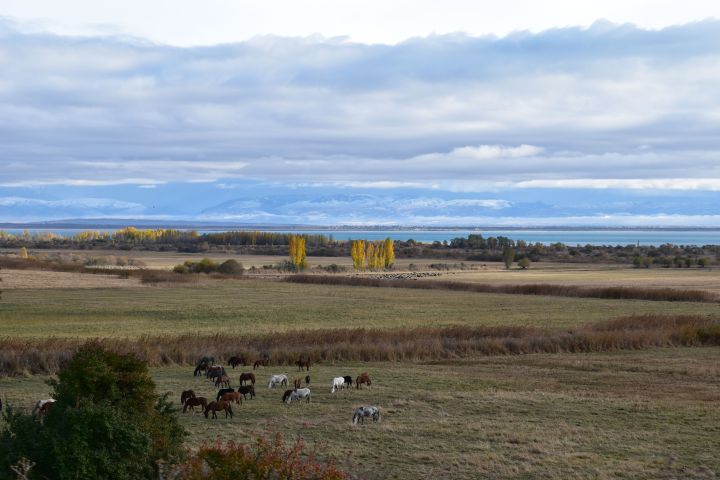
<point>348,381</point>
<point>215,371</point>
<point>263,362</point>
<point>215,407</point>
<point>247,377</point>
<point>244,390</point>
<point>286,395</point>
<point>193,402</point>
<point>203,365</point>
<point>362,412</point>
<point>297,383</point>
<point>199,369</point>
<point>298,394</point>
<point>278,380</point>
<point>223,392</point>
<point>235,361</point>
<point>185,395</point>
<point>338,383</point>
<point>363,378</point>
<point>303,363</point>
<point>307,379</point>
<point>41,407</point>
<point>232,397</point>
<point>222,381</point>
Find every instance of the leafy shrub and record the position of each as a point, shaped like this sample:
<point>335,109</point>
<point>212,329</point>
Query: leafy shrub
<point>231,267</point>
<point>107,422</point>
<point>266,458</point>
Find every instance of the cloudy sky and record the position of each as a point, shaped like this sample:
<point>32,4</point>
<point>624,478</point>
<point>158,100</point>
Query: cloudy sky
<point>323,112</point>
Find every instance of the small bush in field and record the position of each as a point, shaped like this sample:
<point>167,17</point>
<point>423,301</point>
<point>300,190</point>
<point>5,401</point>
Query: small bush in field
<point>267,457</point>
<point>231,267</point>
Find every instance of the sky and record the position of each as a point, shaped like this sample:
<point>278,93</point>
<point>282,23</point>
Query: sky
<point>344,112</point>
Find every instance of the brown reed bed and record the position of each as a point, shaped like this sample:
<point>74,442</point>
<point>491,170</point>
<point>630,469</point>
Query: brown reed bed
<point>20,356</point>
<point>618,293</point>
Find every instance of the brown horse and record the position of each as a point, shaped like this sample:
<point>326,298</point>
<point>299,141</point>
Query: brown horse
<point>193,402</point>
<point>235,361</point>
<point>247,377</point>
<point>185,395</point>
<point>232,397</point>
<point>263,362</point>
<point>363,378</point>
<point>303,363</point>
<point>222,381</point>
<point>297,383</point>
<point>200,369</point>
<point>244,390</point>
<point>215,407</point>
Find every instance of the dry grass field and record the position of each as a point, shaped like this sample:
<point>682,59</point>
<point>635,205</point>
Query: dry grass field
<point>623,414</point>
<point>648,414</point>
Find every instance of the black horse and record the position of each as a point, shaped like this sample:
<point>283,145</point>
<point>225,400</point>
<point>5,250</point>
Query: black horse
<point>247,389</point>
<point>348,381</point>
<point>223,391</point>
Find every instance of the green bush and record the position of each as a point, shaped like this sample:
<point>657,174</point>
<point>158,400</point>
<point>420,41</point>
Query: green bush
<point>231,267</point>
<point>107,422</point>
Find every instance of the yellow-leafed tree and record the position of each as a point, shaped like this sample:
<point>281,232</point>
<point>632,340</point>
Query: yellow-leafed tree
<point>357,252</point>
<point>23,252</point>
<point>389,252</point>
<point>297,252</point>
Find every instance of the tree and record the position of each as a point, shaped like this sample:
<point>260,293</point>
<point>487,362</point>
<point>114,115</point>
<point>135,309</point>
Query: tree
<point>297,252</point>
<point>107,422</point>
<point>389,252</point>
<point>231,267</point>
<point>508,256</point>
<point>23,252</point>
<point>703,262</point>
<point>524,263</point>
<point>357,252</point>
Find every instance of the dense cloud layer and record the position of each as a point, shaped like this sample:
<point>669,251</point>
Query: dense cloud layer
<point>605,107</point>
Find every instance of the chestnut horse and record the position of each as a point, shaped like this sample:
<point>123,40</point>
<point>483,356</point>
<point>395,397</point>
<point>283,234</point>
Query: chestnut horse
<point>235,361</point>
<point>247,377</point>
<point>363,378</point>
<point>215,407</point>
<point>260,363</point>
<point>297,383</point>
<point>223,392</point>
<point>193,402</point>
<point>232,397</point>
<point>303,363</point>
<point>222,381</point>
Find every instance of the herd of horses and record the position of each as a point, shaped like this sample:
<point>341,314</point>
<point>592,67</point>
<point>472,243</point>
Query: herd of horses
<point>227,395</point>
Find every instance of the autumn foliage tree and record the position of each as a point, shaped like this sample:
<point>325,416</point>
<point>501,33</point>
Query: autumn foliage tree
<point>389,252</point>
<point>372,255</point>
<point>357,252</point>
<point>297,252</point>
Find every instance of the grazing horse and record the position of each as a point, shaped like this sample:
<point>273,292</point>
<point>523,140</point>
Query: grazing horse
<point>307,379</point>
<point>193,402</point>
<point>263,362</point>
<point>215,407</point>
<point>348,381</point>
<point>362,412</point>
<point>303,363</point>
<point>223,392</point>
<point>244,390</point>
<point>281,380</point>
<point>247,377</point>
<point>215,371</point>
<point>363,378</point>
<point>232,397</point>
<point>298,394</point>
<point>297,383</point>
<point>338,383</point>
<point>203,365</point>
<point>286,395</point>
<point>199,369</point>
<point>235,361</point>
<point>222,381</point>
<point>41,407</point>
<point>185,395</point>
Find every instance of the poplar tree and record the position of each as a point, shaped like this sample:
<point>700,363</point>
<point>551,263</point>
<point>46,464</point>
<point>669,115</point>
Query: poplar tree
<point>357,252</point>
<point>389,252</point>
<point>297,252</point>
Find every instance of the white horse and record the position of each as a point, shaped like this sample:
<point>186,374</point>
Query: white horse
<point>362,412</point>
<point>338,383</point>
<point>278,380</point>
<point>298,394</point>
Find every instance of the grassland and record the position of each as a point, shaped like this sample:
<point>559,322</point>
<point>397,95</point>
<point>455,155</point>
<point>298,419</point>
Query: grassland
<point>649,414</point>
<point>255,306</point>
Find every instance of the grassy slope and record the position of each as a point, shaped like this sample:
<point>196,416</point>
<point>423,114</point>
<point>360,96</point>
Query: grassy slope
<point>648,414</point>
<point>257,306</point>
